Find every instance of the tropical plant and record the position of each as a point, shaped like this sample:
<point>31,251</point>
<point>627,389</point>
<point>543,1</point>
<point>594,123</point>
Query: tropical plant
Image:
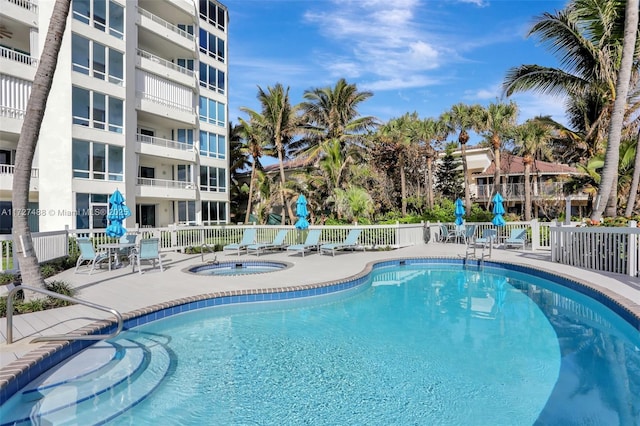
<point>280,123</point>
<point>28,140</point>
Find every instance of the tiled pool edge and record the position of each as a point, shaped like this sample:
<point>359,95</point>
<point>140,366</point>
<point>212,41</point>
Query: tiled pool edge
<point>20,372</point>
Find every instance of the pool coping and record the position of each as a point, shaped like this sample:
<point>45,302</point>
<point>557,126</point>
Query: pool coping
<point>21,371</point>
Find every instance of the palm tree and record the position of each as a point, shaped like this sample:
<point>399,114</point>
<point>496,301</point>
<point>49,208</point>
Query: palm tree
<point>253,147</point>
<point>494,122</point>
<point>608,185</point>
<point>332,114</point>
<point>460,119</point>
<point>280,124</point>
<point>633,189</point>
<point>531,140</point>
<point>29,134</point>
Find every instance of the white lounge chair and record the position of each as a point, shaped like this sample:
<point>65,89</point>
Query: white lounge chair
<point>277,244</point>
<point>350,242</point>
<point>518,238</point>
<point>312,242</point>
<point>488,238</point>
<point>248,238</point>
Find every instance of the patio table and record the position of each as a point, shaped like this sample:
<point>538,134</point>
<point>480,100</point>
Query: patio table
<point>114,248</point>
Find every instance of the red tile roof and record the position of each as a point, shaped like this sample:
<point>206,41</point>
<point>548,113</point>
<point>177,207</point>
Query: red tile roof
<point>513,165</point>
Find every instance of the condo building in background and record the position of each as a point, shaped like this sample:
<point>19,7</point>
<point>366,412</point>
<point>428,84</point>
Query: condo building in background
<point>139,103</point>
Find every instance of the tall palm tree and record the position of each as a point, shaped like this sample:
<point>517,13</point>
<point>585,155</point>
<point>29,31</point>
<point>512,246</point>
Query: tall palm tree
<point>281,124</point>
<point>461,119</point>
<point>633,189</point>
<point>429,133</point>
<point>332,114</point>
<point>609,186</point>
<point>29,134</point>
<point>494,122</point>
<point>254,148</point>
<point>531,140</point>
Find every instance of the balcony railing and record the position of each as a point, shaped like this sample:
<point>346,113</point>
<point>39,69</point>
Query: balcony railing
<point>165,143</point>
<point>165,183</point>
<point>25,4</point>
<point>168,25</point>
<point>165,63</point>
<point>16,56</point>
<point>515,191</point>
<point>14,113</point>
<point>8,169</point>
<point>164,102</point>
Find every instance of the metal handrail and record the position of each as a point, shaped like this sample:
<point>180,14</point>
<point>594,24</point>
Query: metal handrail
<point>60,337</point>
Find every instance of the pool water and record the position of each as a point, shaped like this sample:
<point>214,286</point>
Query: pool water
<point>418,344</point>
<point>238,268</point>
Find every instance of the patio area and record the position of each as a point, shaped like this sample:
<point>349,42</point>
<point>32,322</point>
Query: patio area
<point>129,292</point>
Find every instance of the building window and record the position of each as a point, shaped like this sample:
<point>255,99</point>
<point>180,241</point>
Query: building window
<point>92,58</point>
<point>185,63</point>
<point>97,110</point>
<point>95,160</point>
<point>96,14</point>
<point>184,136</point>
<point>211,45</point>
<point>211,78</point>
<point>213,13</point>
<point>213,145</point>
<point>212,112</point>
<point>214,212</point>
<point>213,179</point>
<point>91,211</point>
<point>186,212</point>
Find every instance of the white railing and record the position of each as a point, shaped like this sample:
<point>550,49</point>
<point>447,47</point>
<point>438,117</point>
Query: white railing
<point>165,102</point>
<point>603,249</point>
<point>25,4</point>
<point>14,113</point>
<point>158,20</point>
<point>165,63</point>
<point>165,143</point>
<point>9,169</point>
<point>14,56</point>
<point>516,190</point>
<point>165,183</point>
<point>47,245</point>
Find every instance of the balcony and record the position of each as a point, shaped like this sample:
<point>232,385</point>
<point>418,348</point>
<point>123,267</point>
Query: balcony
<point>17,64</point>
<point>23,11</point>
<point>148,22</point>
<point>166,189</point>
<point>515,192</point>
<point>6,178</point>
<point>163,107</point>
<point>165,148</point>
<point>11,119</point>
<point>167,69</point>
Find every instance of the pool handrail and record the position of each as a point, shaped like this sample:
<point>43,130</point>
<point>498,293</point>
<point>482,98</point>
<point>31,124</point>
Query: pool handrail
<point>60,337</point>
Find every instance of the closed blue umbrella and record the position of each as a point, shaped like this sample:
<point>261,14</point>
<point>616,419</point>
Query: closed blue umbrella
<point>498,210</point>
<point>118,212</point>
<point>459,211</point>
<point>302,213</point>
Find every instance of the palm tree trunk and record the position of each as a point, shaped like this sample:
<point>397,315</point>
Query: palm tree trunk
<point>282,181</point>
<point>496,173</point>
<point>527,191</point>
<point>430,177</point>
<point>608,185</point>
<point>633,191</point>
<point>465,171</point>
<point>251,183</point>
<point>29,134</point>
<point>403,188</point>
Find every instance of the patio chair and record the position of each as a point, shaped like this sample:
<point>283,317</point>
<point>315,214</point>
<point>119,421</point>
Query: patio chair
<point>457,233</point>
<point>89,255</point>
<point>149,249</point>
<point>518,238</point>
<point>468,233</point>
<point>277,244</point>
<point>126,253</point>
<point>488,238</point>
<point>312,242</point>
<point>248,238</point>
<point>445,233</point>
<point>351,242</point>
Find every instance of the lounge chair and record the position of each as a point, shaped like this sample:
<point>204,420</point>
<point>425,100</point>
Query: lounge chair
<point>149,250</point>
<point>351,242</point>
<point>277,244</point>
<point>89,255</point>
<point>312,242</point>
<point>518,238</point>
<point>248,238</point>
<point>445,234</point>
<point>488,238</point>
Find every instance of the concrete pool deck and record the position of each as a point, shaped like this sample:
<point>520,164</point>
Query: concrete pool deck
<point>127,292</point>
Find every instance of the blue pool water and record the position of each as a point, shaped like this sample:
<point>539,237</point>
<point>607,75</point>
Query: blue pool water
<point>416,345</point>
<point>238,268</point>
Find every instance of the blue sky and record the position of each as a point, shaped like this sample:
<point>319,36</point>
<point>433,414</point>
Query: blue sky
<point>414,55</point>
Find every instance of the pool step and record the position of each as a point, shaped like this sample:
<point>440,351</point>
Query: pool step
<point>106,379</point>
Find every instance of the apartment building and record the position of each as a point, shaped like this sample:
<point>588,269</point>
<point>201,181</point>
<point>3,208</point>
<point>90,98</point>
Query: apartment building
<point>139,103</point>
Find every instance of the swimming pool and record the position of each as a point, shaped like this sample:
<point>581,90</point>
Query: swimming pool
<point>419,343</point>
<point>238,268</point>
